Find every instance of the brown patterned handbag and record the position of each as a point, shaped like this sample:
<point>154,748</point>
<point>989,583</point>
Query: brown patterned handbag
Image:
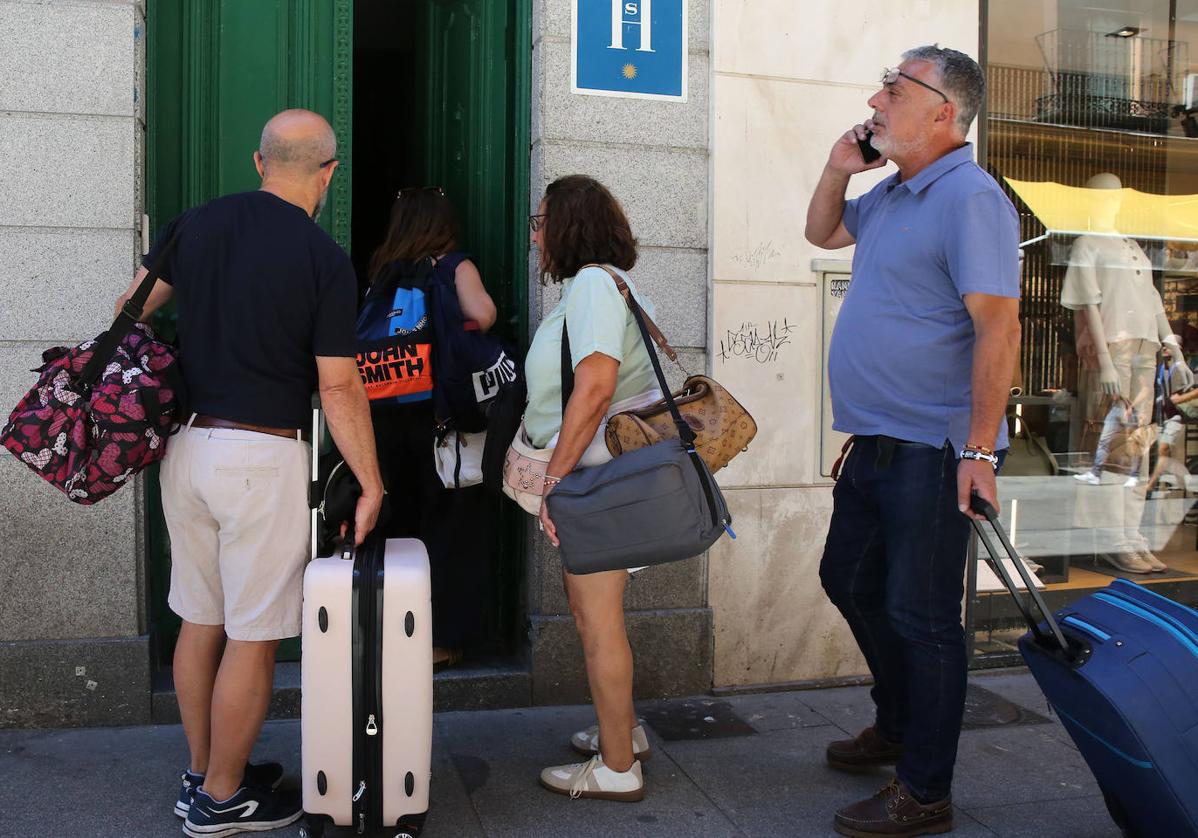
<point>723,428</point>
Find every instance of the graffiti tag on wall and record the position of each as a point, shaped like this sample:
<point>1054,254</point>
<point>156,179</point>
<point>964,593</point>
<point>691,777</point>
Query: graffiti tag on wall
<point>760,255</point>
<point>756,342</point>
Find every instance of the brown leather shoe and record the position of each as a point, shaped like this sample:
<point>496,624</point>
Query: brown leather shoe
<point>867,751</point>
<point>894,812</point>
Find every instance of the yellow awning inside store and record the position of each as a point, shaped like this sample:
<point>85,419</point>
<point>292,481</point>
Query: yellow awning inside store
<point>1140,215</point>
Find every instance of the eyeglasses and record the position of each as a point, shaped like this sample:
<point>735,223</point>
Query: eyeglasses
<point>890,76</point>
<point>407,190</point>
<point>328,162</point>
<point>536,222</point>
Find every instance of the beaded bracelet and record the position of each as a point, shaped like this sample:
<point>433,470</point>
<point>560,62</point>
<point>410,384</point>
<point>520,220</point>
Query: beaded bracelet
<point>969,446</point>
<point>550,480</point>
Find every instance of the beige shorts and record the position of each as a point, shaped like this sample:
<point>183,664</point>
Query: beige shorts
<point>1172,432</point>
<point>236,508</point>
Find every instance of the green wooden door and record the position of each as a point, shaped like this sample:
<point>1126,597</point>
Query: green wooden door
<point>472,131</point>
<point>441,99</point>
<point>477,149</point>
<point>217,70</point>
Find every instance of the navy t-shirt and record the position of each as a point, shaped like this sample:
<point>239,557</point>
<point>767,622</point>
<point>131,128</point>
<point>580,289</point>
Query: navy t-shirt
<point>260,291</point>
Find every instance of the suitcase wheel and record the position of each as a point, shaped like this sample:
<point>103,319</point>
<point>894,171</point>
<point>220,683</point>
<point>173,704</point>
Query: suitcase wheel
<point>1118,814</point>
<point>313,826</point>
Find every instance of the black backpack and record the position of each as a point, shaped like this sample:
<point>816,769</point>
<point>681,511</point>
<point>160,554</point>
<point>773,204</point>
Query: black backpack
<point>471,368</point>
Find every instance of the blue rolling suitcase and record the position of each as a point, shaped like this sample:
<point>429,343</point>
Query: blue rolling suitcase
<point>1120,668</point>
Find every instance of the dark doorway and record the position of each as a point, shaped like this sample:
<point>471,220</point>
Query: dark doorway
<point>390,115</point>
<point>440,100</point>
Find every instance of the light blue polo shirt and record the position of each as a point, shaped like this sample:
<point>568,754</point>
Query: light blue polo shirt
<point>901,359</point>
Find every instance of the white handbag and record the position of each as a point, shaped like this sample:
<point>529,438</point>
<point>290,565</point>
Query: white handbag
<point>459,459</point>
<point>524,466</point>
<point>524,472</point>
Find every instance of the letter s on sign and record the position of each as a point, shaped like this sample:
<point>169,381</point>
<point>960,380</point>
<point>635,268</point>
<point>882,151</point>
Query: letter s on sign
<point>630,8</point>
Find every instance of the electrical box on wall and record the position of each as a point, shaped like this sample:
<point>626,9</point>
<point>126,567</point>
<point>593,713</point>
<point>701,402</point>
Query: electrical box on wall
<point>834,277</point>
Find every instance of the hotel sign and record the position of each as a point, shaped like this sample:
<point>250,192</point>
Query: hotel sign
<point>630,48</point>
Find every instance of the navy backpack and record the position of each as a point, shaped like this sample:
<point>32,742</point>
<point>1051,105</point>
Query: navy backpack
<point>471,368</point>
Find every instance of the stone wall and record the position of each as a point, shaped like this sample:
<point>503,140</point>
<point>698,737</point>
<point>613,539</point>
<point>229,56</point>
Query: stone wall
<point>653,155</point>
<point>72,630</point>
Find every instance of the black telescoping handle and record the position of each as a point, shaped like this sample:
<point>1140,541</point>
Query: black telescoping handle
<point>315,493</point>
<point>984,508</point>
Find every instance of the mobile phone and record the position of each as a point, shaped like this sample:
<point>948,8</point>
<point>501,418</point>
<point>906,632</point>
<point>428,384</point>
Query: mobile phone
<point>868,153</point>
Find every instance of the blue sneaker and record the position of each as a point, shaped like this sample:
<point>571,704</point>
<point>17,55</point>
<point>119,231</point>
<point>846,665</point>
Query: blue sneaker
<point>262,775</point>
<point>248,810</point>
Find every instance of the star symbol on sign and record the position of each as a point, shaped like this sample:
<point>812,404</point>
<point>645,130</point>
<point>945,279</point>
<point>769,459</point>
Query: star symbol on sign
<point>630,71</point>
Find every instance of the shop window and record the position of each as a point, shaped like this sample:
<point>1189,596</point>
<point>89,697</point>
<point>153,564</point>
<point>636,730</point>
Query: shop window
<point>1091,130</point>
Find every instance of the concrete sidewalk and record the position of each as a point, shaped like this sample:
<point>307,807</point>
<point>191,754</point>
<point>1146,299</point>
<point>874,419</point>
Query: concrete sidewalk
<point>743,766</point>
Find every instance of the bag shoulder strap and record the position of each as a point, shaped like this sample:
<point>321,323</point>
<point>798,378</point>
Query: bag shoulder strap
<point>626,293</point>
<point>450,261</point>
<point>567,368</point>
<point>131,312</point>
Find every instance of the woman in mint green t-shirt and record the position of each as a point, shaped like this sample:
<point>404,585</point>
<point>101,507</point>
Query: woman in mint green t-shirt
<point>579,224</point>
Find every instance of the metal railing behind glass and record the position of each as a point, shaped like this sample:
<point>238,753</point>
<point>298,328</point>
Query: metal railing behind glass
<point>1094,80</point>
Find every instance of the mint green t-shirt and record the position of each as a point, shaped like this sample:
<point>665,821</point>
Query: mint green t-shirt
<point>600,321</point>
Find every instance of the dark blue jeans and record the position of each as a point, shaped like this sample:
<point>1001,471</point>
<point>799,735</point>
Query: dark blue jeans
<point>894,564</point>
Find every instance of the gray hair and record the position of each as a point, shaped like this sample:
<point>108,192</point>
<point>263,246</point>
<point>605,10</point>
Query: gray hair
<point>960,76</point>
<point>297,140</point>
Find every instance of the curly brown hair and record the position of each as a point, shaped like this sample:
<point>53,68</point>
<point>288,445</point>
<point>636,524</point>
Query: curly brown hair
<point>423,223</point>
<point>584,223</point>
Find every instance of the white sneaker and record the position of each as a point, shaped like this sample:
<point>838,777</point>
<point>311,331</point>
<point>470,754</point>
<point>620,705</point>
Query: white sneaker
<point>1088,477</point>
<point>1149,558</point>
<point>1128,562</point>
<point>595,780</point>
<point>586,742</point>
<point>1131,483</point>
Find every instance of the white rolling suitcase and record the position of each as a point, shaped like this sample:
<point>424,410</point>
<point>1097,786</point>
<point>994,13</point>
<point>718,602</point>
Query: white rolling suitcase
<point>367,702</point>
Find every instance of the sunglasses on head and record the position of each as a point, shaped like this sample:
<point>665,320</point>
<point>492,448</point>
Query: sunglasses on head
<point>409,190</point>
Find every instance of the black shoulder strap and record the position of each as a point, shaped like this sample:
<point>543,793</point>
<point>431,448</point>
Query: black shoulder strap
<point>567,367</point>
<point>685,432</point>
<point>451,260</point>
<point>131,312</point>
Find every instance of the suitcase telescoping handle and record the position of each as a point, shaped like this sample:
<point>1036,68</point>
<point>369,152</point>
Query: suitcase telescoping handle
<point>314,494</point>
<point>984,508</point>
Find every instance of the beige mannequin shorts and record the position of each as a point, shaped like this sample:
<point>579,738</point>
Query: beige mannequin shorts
<point>236,507</point>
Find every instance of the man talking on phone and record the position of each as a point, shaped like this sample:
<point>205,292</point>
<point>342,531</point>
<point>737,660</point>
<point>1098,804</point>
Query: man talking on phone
<point>920,367</point>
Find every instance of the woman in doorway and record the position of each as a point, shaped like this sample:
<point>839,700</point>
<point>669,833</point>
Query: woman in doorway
<point>452,523</point>
<point>578,227</point>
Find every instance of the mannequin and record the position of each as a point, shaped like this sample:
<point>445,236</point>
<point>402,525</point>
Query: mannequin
<point>1110,279</point>
<point>1109,282</point>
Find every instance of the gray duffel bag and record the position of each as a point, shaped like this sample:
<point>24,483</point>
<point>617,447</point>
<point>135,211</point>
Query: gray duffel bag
<point>650,506</point>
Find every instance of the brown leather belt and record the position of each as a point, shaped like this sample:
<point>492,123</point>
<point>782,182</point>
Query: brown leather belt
<point>204,421</point>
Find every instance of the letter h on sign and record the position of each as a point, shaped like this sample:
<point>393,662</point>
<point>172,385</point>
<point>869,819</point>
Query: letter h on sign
<point>642,16</point>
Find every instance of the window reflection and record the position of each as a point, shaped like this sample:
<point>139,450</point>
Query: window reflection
<point>1092,128</point>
